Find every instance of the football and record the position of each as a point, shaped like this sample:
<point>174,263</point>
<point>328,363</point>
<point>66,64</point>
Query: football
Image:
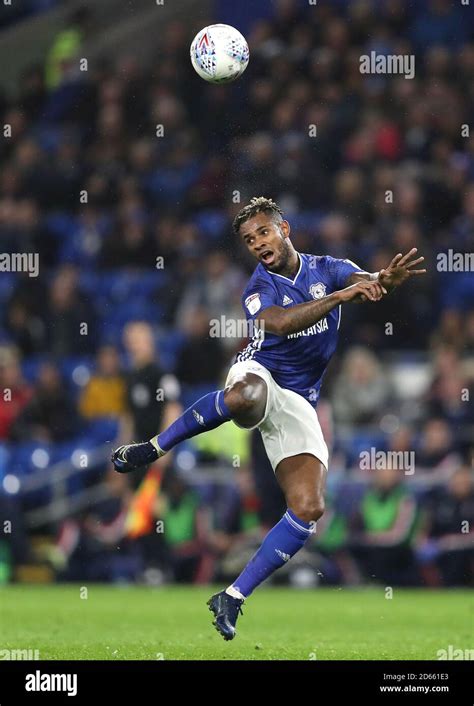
<point>219,53</point>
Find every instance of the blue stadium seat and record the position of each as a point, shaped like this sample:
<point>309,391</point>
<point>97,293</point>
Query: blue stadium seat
<point>190,393</point>
<point>68,368</point>
<point>169,347</point>
<point>118,286</point>
<point>102,430</point>
<point>70,365</point>
<point>306,220</point>
<point>362,441</point>
<point>60,224</point>
<point>4,461</point>
<point>63,451</point>
<point>30,366</point>
<point>7,285</point>
<point>348,495</point>
<point>81,250</point>
<point>134,309</point>
<point>142,284</point>
<point>211,223</point>
<point>21,457</point>
<point>456,290</point>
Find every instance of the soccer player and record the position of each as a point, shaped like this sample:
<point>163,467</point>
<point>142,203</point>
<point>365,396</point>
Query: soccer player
<point>294,301</point>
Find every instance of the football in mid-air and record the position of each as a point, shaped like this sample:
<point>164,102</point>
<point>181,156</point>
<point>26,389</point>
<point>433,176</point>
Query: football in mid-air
<point>219,53</point>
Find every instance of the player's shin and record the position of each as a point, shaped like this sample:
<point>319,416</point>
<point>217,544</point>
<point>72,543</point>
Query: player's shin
<point>280,544</point>
<point>207,413</point>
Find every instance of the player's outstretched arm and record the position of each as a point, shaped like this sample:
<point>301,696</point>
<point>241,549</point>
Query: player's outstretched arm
<point>301,316</point>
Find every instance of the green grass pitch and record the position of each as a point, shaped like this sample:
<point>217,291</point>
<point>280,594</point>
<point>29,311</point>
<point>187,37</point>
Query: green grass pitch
<point>116,623</point>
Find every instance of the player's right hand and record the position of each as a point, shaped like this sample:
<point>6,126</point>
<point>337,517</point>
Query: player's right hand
<point>363,291</point>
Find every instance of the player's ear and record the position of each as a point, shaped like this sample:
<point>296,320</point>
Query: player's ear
<point>285,229</point>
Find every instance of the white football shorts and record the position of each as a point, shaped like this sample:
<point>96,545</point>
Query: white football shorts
<point>290,425</point>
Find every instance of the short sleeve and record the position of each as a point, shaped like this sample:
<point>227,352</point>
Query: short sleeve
<point>340,271</point>
<point>257,298</point>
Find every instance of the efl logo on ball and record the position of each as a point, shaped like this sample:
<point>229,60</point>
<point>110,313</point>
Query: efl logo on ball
<point>219,53</point>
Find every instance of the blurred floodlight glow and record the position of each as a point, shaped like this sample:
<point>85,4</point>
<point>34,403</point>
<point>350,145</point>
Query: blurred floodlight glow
<point>81,375</point>
<point>390,423</point>
<point>77,458</point>
<point>11,484</point>
<point>40,458</point>
<point>185,460</point>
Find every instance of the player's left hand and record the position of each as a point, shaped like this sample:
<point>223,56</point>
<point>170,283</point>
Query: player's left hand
<point>400,269</point>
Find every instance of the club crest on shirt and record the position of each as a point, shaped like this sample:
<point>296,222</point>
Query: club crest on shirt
<point>318,290</point>
<point>253,303</point>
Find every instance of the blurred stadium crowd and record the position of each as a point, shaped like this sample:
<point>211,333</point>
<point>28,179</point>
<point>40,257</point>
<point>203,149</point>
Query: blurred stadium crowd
<point>147,259</point>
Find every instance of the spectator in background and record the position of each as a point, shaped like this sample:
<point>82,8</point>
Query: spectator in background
<point>450,398</point>
<point>445,360</point>
<point>14,392</point>
<point>335,232</point>
<point>130,247</point>
<point>105,393</point>
<point>211,187</point>
<point>170,295</point>
<point>362,389</point>
<point>402,440</point>
<point>450,330</point>
<point>331,543</point>
<point>66,47</point>
<point>272,501</point>
<point>152,397</point>
<point>201,358</point>
<point>14,545</point>
<point>92,546</point>
<point>237,531</point>
<point>50,415</point>
<point>258,168</point>
<point>469,332</point>
<point>218,289</point>
<point>71,319</point>
<point>463,225</point>
<point>187,531</point>
<point>27,330</point>
<point>450,393</point>
<point>448,542</point>
<point>32,90</point>
<point>25,318</point>
<point>383,529</point>
<point>228,444</point>
<point>440,23</point>
<point>21,230</point>
<point>436,448</point>
<point>166,242</point>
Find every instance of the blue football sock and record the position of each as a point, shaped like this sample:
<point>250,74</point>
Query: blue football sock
<point>280,544</point>
<point>207,413</point>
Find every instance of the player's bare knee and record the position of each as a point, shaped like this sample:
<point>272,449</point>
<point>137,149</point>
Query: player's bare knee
<point>308,509</point>
<point>246,399</point>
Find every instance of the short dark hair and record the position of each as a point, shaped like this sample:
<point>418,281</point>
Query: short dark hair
<point>259,204</point>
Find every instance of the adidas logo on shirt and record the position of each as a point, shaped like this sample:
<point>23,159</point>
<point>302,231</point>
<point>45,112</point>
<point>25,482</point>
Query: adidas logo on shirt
<point>287,300</point>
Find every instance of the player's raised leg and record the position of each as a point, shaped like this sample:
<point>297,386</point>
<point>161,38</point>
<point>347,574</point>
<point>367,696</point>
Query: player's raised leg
<point>302,479</point>
<point>243,401</point>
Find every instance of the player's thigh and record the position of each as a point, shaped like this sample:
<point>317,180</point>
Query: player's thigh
<point>246,399</point>
<point>302,479</point>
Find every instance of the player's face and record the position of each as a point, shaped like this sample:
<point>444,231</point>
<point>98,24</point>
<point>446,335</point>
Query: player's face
<point>267,241</point>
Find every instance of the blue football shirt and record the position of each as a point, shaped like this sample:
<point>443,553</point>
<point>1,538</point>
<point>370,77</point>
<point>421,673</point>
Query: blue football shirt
<point>297,361</point>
